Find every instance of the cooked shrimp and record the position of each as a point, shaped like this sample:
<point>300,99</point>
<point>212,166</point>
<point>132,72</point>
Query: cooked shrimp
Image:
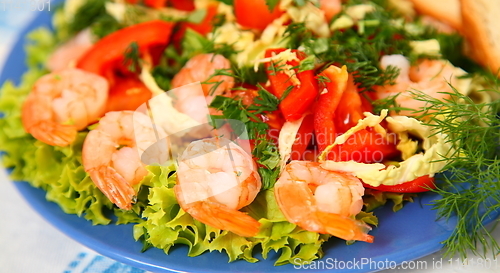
<point>322,201</point>
<point>112,154</point>
<point>432,77</point>
<point>201,68</point>
<point>68,53</point>
<point>62,103</point>
<point>330,8</point>
<point>438,25</point>
<point>215,179</point>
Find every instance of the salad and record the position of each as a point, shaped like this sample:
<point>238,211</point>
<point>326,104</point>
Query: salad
<point>209,126</point>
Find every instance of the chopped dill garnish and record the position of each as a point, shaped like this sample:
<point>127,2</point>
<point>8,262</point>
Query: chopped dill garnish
<point>132,58</point>
<point>470,188</point>
<point>388,103</point>
<point>195,43</point>
<point>359,50</point>
<point>265,150</point>
<point>244,74</point>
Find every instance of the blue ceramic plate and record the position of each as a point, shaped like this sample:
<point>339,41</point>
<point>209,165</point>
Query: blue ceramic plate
<point>406,235</point>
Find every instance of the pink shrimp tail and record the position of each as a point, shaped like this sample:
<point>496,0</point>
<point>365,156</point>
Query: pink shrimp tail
<point>113,185</point>
<point>53,134</point>
<point>344,227</point>
<point>220,216</point>
<point>46,131</point>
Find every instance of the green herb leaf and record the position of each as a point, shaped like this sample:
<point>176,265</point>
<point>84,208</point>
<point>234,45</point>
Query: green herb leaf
<point>132,59</point>
<point>197,16</point>
<point>265,150</point>
<point>87,14</point>
<point>271,4</point>
<point>227,2</point>
<point>470,189</point>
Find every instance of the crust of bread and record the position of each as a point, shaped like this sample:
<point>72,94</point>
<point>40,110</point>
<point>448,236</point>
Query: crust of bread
<point>481,22</point>
<point>446,11</point>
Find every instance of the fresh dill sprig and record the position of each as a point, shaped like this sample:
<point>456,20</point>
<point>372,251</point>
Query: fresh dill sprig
<point>359,50</point>
<point>390,103</point>
<point>471,186</point>
<point>240,75</point>
<point>195,43</point>
<point>132,58</point>
<point>265,150</point>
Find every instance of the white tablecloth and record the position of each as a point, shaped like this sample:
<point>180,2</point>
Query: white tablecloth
<point>29,244</point>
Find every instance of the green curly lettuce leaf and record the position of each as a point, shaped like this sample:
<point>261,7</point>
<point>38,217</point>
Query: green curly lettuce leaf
<point>57,170</point>
<point>167,224</point>
<point>374,199</point>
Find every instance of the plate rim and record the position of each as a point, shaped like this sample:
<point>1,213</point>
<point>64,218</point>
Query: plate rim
<point>24,187</point>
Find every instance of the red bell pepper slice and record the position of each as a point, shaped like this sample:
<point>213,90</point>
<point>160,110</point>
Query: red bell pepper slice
<point>155,3</point>
<point>185,5</point>
<point>324,112</point>
<point>203,28</point>
<point>255,13</point>
<point>274,119</point>
<point>300,98</point>
<point>419,184</point>
<point>366,146</point>
<point>350,108</point>
<point>112,48</point>
<point>127,93</point>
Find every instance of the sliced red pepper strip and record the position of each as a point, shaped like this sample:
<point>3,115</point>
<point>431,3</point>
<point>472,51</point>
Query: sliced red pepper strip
<point>255,13</point>
<point>274,119</point>
<point>366,146</point>
<point>419,184</point>
<point>300,98</point>
<point>113,47</point>
<point>366,105</point>
<point>324,112</point>
<point>203,28</point>
<point>350,108</point>
<point>155,3</point>
<point>127,93</point>
<point>186,5</point>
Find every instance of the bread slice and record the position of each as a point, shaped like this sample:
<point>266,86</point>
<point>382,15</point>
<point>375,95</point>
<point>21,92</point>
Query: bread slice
<point>481,27</point>
<point>446,11</point>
